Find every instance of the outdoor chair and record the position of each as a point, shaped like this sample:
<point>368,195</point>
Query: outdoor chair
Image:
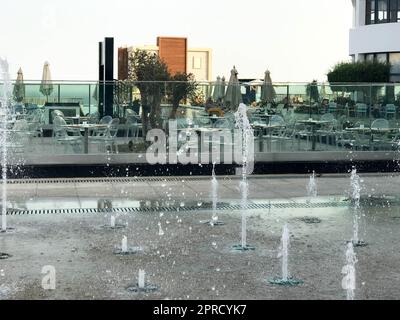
<point>65,136</point>
<point>389,111</point>
<point>361,110</point>
<point>93,118</point>
<point>99,132</point>
<point>106,120</point>
<point>276,135</point>
<point>35,119</point>
<point>301,132</point>
<point>230,116</point>
<point>332,107</point>
<point>381,140</point>
<point>58,113</point>
<point>326,130</point>
<point>107,137</point>
<point>202,121</point>
<point>224,124</point>
<point>132,127</point>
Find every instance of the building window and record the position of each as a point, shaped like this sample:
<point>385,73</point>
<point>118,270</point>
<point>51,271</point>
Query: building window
<point>394,59</point>
<point>382,11</point>
<point>369,57</point>
<point>381,57</point>
<point>394,11</point>
<point>196,63</point>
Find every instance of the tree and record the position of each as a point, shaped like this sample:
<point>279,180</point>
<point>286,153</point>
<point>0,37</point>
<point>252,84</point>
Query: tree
<point>182,85</point>
<point>150,74</point>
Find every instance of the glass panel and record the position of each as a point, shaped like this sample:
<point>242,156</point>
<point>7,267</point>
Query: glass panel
<point>372,12</point>
<point>369,57</point>
<point>394,59</point>
<point>381,57</point>
<point>382,11</point>
<point>394,11</point>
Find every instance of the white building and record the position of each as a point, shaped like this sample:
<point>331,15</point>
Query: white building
<point>375,34</point>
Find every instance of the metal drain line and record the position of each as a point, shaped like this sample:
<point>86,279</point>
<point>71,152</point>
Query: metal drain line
<point>251,206</point>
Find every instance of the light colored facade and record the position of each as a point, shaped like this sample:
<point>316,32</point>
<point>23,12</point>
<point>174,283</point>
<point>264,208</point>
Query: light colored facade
<point>375,34</point>
<point>199,60</point>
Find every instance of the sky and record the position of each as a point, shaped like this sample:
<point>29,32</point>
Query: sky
<point>297,40</point>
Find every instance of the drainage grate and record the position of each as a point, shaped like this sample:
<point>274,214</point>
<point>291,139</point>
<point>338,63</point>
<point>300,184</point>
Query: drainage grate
<point>104,180</point>
<point>125,179</point>
<point>223,206</point>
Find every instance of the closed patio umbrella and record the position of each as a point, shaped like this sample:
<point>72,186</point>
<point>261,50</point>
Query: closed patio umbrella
<point>268,93</point>
<point>323,91</point>
<point>46,86</point>
<point>218,92</point>
<point>223,87</point>
<point>19,87</point>
<point>233,96</point>
<point>95,92</point>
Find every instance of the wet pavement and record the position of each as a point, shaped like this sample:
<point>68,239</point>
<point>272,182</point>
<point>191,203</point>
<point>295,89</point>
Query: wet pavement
<point>191,260</point>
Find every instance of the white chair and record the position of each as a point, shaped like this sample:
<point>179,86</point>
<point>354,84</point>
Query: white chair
<point>61,135</point>
<point>380,140</point>
<point>93,118</point>
<point>107,138</point>
<point>131,127</point>
<point>223,123</point>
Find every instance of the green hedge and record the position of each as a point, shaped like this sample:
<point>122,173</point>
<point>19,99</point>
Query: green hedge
<point>367,71</point>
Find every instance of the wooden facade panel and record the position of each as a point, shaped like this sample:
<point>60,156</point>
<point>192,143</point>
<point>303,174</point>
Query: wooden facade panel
<point>174,53</point>
<point>122,63</point>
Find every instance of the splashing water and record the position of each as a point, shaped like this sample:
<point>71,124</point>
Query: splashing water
<point>355,199</point>
<point>124,244</point>
<point>160,230</point>
<point>349,270</point>
<point>112,222</point>
<point>141,281</point>
<point>214,196</point>
<point>243,205</point>
<point>5,102</point>
<point>247,152</point>
<point>312,186</point>
<point>284,252</point>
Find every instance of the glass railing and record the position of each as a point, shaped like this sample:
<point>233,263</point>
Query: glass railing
<point>286,117</point>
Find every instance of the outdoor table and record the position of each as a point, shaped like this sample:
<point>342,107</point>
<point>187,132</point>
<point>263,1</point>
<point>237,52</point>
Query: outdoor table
<point>200,130</point>
<point>314,124</point>
<point>264,116</point>
<point>86,128</point>
<point>77,119</point>
<point>372,131</point>
<point>214,119</point>
<point>266,127</point>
